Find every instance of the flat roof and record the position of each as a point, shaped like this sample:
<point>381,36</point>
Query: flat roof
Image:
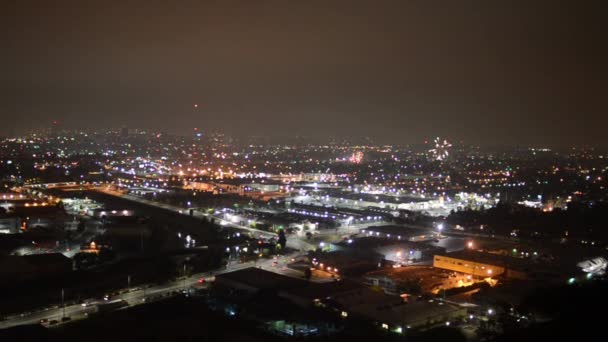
<point>395,230</point>
<point>44,259</point>
<point>349,257</point>
<point>392,309</point>
<point>371,242</point>
<point>324,290</point>
<point>521,264</point>
<point>262,279</point>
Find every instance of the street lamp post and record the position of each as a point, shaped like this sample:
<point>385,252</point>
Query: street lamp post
<point>184,276</point>
<point>63,303</point>
<point>439,229</point>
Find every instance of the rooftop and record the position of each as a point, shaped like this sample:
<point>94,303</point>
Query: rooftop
<point>404,232</point>
<point>262,279</point>
<point>514,263</point>
<point>324,290</point>
<point>44,259</point>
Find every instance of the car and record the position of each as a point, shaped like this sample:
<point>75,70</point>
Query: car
<point>53,322</point>
<point>44,320</point>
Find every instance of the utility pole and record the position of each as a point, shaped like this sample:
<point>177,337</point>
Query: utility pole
<point>184,276</point>
<point>63,302</point>
<point>129,283</point>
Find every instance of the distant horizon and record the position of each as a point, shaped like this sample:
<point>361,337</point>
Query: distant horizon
<point>285,139</point>
<point>509,73</point>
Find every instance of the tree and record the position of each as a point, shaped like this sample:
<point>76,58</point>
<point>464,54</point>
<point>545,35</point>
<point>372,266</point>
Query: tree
<point>80,227</point>
<point>282,239</point>
<point>307,273</point>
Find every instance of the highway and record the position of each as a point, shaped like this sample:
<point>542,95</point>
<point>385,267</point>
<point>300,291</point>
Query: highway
<point>294,243</point>
<point>183,211</point>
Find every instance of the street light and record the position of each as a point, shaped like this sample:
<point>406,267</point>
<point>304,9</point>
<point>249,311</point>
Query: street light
<point>439,229</point>
<point>184,276</point>
<point>63,302</point>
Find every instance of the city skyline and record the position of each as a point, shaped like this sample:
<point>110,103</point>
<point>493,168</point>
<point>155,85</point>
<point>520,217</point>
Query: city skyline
<point>271,170</point>
<point>401,73</point>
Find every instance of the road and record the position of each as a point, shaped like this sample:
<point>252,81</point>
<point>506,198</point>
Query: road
<point>141,295</point>
<point>183,211</point>
<point>294,243</point>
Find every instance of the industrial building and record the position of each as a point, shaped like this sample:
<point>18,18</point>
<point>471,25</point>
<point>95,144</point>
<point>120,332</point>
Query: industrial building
<point>494,265</point>
<point>476,264</point>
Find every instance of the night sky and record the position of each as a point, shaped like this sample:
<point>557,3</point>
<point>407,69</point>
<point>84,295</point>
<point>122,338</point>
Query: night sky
<point>488,72</point>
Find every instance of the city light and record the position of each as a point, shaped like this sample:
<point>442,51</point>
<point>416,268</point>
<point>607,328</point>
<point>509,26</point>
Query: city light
<point>440,221</point>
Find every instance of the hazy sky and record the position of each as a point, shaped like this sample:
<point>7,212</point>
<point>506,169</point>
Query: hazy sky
<point>488,72</point>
